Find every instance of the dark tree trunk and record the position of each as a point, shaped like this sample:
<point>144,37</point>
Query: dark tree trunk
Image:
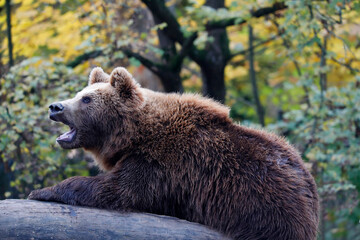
<point>170,78</point>
<point>8,30</point>
<point>259,108</point>
<point>214,58</point>
<point>5,178</point>
<point>169,73</point>
<point>171,81</point>
<point>212,72</point>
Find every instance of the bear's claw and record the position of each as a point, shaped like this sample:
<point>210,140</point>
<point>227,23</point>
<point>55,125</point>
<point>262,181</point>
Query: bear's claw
<point>45,194</point>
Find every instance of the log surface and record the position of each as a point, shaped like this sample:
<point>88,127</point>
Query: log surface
<point>28,219</point>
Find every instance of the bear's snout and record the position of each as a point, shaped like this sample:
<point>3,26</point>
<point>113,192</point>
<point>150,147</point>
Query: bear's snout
<point>55,109</point>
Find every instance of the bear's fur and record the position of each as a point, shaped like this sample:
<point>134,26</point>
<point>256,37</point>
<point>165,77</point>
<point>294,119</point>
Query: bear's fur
<point>181,155</point>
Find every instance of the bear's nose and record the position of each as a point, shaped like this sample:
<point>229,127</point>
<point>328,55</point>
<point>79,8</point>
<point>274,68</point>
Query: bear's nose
<point>56,108</point>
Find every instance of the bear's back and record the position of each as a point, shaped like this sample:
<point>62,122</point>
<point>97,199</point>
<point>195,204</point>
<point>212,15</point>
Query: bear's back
<point>242,181</point>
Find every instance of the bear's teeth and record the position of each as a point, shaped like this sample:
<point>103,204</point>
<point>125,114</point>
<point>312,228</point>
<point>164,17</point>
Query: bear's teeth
<point>68,136</point>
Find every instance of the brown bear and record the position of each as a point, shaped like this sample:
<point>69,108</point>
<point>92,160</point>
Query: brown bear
<point>182,156</point>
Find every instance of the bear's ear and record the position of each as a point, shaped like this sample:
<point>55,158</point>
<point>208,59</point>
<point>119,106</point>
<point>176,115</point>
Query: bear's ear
<point>98,75</point>
<point>123,81</point>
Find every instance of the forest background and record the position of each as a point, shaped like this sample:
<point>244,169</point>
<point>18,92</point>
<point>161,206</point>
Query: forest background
<point>292,67</point>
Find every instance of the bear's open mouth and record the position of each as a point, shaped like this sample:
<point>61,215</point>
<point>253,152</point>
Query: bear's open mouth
<point>68,136</point>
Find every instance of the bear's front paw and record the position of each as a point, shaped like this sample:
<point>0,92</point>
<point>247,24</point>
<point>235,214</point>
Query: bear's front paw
<point>45,194</point>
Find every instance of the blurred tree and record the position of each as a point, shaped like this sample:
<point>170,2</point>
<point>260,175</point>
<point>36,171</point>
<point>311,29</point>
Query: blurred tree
<point>213,58</point>
<point>259,108</point>
<point>8,27</point>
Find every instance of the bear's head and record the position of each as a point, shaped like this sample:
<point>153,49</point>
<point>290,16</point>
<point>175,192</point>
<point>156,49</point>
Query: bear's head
<point>100,113</point>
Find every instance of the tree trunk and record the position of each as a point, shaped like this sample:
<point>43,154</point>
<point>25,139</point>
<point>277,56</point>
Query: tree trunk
<point>8,30</point>
<point>6,176</point>
<point>171,81</point>
<point>4,180</point>
<point>214,59</point>
<point>25,219</point>
<point>259,108</point>
<point>170,78</point>
<point>169,74</point>
<point>212,72</point>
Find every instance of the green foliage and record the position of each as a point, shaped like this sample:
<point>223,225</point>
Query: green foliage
<point>314,103</point>
<point>27,136</point>
<point>328,135</point>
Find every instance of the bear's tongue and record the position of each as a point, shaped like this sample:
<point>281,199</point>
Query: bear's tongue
<point>68,136</point>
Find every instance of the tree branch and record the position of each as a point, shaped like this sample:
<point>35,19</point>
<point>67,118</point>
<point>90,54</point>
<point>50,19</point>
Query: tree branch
<point>347,65</point>
<point>177,62</point>
<point>154,67</point>
<point>287,45</point>
<point>168,73</point>
<point>84,57</point>
<point>245,51</point>
<point>159,9</point>
<point>235,21</point>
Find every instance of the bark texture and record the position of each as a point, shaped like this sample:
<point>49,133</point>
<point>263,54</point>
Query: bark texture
<point>26,219</point>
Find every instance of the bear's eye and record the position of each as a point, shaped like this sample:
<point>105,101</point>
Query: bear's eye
<point>86,99</point>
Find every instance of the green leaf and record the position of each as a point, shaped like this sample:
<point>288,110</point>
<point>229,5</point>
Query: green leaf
<point>133,61</point>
